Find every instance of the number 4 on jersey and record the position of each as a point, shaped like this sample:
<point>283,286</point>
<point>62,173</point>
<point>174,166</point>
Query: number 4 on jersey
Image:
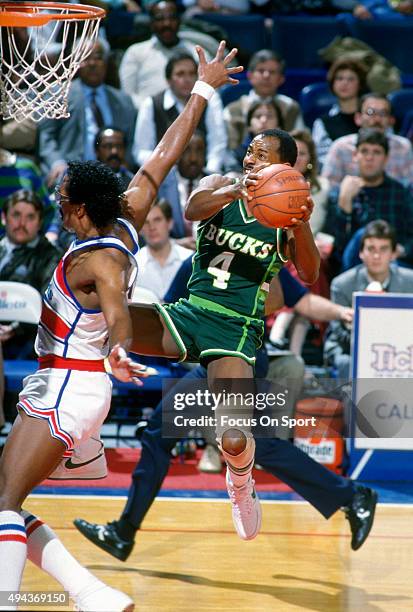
<point>221,273</point>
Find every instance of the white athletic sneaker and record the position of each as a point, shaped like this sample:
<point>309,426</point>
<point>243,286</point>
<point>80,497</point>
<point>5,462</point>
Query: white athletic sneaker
<point>88,462</point>
<point>104,599</point>
<point>246,509</point>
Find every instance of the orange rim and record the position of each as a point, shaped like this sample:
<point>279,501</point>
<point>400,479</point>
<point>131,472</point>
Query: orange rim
<point>24,15</point>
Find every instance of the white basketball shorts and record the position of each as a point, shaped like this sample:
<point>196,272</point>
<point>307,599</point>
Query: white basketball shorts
<point>74,403</point>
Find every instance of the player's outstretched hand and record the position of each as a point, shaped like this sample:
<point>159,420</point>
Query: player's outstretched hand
<point>217,72</point>
<point>125,369</point>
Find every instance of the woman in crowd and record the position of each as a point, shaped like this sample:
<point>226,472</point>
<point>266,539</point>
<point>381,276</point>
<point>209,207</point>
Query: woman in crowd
<point>347,81</point>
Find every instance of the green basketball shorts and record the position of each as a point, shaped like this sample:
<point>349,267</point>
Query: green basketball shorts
<point>203,329</point>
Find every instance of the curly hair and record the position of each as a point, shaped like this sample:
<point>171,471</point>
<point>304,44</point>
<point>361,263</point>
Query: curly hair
<point>95,185</point>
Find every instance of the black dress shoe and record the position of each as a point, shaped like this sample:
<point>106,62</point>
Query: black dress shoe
<point>106,537</point>
<point>360,514</point>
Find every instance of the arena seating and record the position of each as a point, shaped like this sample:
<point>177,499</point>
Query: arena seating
<point>315,100</point>
<point>299,38</point>
<point>248,32</point>
<point>392,39</point>
<point>402,103</point>
<point>229,93</point>
<point>298,78</point>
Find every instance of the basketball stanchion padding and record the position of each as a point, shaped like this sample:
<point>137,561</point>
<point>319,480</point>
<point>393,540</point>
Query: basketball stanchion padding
<point>42,45</point>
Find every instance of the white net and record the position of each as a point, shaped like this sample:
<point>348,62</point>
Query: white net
<point>39,62</point>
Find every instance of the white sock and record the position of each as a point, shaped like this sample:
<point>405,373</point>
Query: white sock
<point>46,551</point>
<point>240,466</point>
<point>13,552</point>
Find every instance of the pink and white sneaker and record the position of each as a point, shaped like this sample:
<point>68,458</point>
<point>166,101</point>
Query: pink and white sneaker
<point>246,509</point>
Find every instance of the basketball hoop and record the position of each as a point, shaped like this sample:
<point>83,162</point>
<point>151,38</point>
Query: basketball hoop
<point>42,45</point>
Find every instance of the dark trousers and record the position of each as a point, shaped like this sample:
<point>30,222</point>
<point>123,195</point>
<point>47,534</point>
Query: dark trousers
<point>323,489</point>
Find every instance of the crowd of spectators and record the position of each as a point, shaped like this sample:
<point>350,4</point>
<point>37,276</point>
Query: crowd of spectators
<point>359,168</point>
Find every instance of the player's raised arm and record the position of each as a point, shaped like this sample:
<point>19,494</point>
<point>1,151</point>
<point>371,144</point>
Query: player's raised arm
<point>143,187</point>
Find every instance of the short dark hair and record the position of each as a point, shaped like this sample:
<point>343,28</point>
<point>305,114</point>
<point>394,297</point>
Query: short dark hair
<point>375,96</point>
<point>265,55</point>
<point>345,63</point>
<point>288,147</point>
<point>95,185</point>
<point>178,56</point>
<point>379,229</point>
<point>99,135</point>
<point>272,103</point>
<point>165,207</point>
<point>372,136</point>
<point>24,195</point>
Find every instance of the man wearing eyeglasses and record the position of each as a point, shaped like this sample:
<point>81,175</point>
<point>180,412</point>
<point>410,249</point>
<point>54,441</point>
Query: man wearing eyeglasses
<point>375,112</point>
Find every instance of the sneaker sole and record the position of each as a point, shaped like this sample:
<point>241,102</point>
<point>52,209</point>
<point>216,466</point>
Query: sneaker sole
<point>106,547</point>
<point>371,520</point>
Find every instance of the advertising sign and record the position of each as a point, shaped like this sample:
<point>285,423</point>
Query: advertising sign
<point>382,371</point>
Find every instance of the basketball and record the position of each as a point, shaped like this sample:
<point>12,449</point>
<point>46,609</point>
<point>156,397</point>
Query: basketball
<point>278,195</point>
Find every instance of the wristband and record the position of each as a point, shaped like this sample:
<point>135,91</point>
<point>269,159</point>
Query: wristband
<point>203,89</point>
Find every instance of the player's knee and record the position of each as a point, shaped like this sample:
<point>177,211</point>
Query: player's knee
<point>234,441</point>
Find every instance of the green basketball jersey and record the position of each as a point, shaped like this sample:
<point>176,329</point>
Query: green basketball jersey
<point>235,260</point>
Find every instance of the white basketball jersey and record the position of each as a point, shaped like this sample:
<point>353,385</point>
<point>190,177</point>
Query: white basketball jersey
<point>66,329</point>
